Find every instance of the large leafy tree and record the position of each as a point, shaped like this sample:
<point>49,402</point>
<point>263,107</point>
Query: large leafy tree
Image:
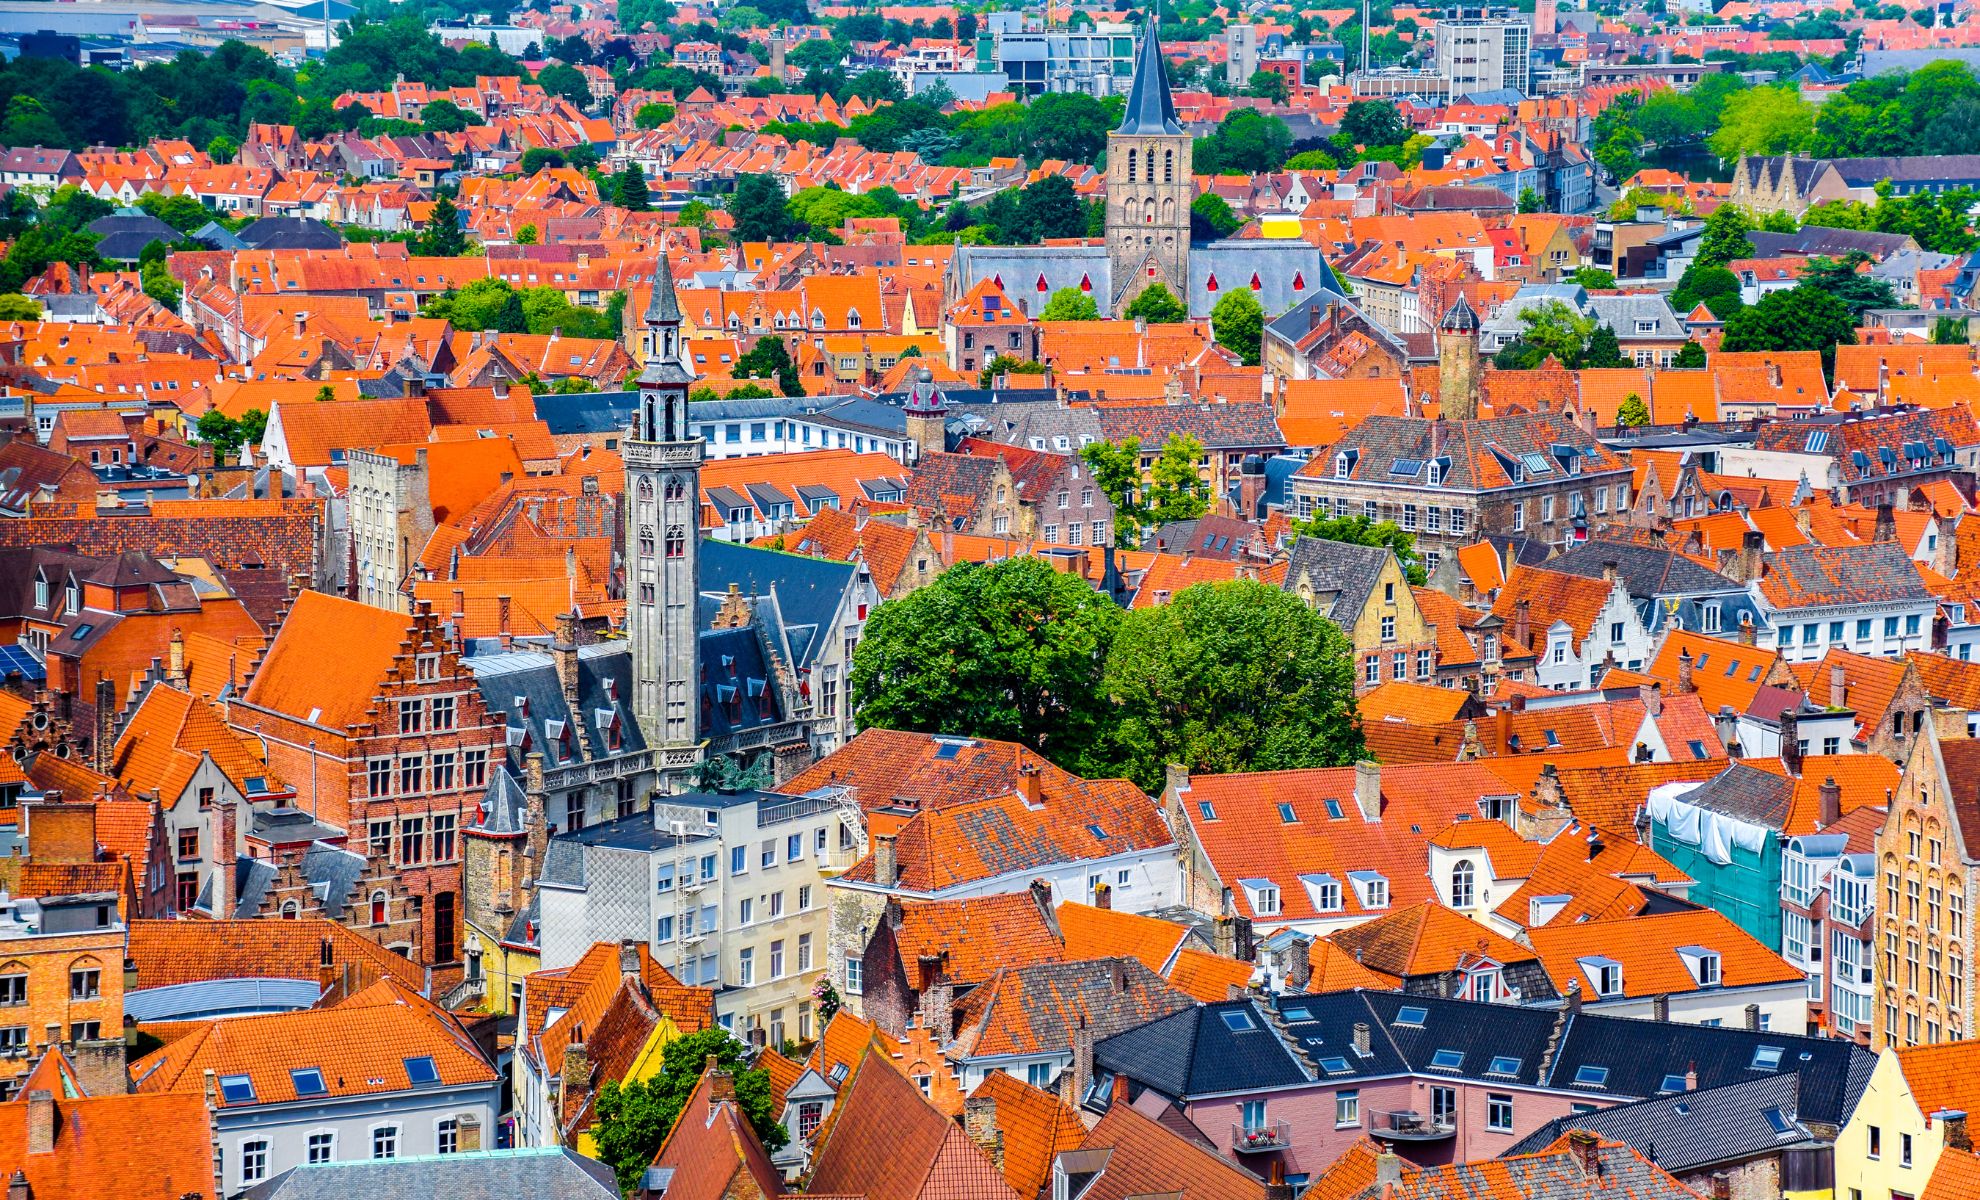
<point>1236,676</point>
<point>1176,489</point>
<point>1797,318</point>
<point>1014,650</point>
<point>1116,468</point>
<point>1239,322</point>
<point>1763,120</point>
<point>1051,208</point>
<point>1070,304</point>
<point>1245,142</point>
<point>1157,305</point>
<point>1724,238</point>
<point>771,359</point>
<point>442,236</point>
<point>635,1118</point>
<point>1843,279</point>
<point>757,205</point>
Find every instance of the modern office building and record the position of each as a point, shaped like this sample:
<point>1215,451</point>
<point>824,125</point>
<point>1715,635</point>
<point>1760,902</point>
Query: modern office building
<point>1483,50</point>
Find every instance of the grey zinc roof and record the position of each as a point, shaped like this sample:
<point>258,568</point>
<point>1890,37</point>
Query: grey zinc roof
<point>1646,571</point>
<point>1690,1130</point>
<point>1020,268</point>
<point>1277,264</point>
<point>554,1173</point>
<point>1150,109</point>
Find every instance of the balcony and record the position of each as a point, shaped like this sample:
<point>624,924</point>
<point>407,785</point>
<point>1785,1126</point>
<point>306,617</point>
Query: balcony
<point>837,861</point>
<point>1263,1139</point>
<point>1409,1125</point>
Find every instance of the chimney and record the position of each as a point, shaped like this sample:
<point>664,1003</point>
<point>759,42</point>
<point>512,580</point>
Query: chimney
<point>1362,1048</point>
<point>1954,1121</point>
<point>1686,685</point>
<point>1610,570</point>
<point>1886,528</point>
<point>1276,1187</point>
<point>1829,806</point>
<point>1691,1077</point>
<point>224,818</point>
<point>41,1121</point>
<point>175,651</point>
<point>536,818</point>
<point>1522,611</point>
<point>1727,725</point>
<point>106,725</point>
<point>1103,897</point>
<point>1586,1148</point>
<point>1838,686</point>
<point>1660,1007</point>
<point>1652,695</point>
<point>721,1084</point>
<point>17,1186</point>
<point>468,1129</point>
<point>1791,742</point>
<point>629,960</point>
<point>502,620</point>
<point>576,1075</point>
<point>1747,632</point>
<point>1752,553</point>
<point>884,867</point>
<point>564,653</point>
<point>1388,1166</point>
<point>1081,1076</point>
<point>1028,785</point>
<point>1571,1003</point>
<point>1368,789</point>
<point>1753,1017</point>
<point>980,1123</point>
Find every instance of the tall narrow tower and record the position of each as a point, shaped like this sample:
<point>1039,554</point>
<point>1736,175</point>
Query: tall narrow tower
<point>1458,378</point>
<point>663,501</point>
<point>1148,184</point>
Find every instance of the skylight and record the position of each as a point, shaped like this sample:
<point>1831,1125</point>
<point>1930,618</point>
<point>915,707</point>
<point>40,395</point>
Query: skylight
<point>1286,813</point>
<point>1299,1013</point>
<point>1447,1060</point>
<point>1410,1014</point>
<point>1334,1066</point>
<point>421,1071</point>
<point>1765,1058</point>
<point>1237,1020</point>
<point>1591,1076</point>
<point>308,1081</point>
<point>1778,1119</point>
<point>236,1089</point>
<point>1333,808</point>
<point>1209,813</point>
<point>1672,1083</point>
<point>1504,1065</point>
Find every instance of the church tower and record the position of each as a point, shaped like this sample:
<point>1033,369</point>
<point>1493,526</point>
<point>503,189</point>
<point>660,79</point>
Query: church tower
<point>663,502</point>
<point>1148,185</point>
<point>1458,377</point>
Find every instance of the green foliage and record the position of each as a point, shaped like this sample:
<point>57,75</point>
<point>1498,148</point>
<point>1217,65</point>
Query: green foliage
<point>442,236</point>
<point>1004,364</point>
<point>1556,331</point>
<point>1210,218</point>
<point>526,235</point>
<point>1531,201</point>
<point>444,116</point>
<point>1268,85</point>
<point>1176,490</point>
<point>1935,220</point>
<point>1067,125</point>
<point>1362,531</point>
<point>1374,123</point>
<point>634,1118</point>
<point>16,307</point>
<point>1690,357</point>
<point>1014,650</point>
<point>1763,120</point>
<point>1724,238</point>
<point>1632,412</point>
<point>158,284</point>
<point>1238,321</point>
<point>491,304</point>
<point>1934,110</point>
<point>1595,279</point>
<point>770,359</point>
<point>629,189</point>
<point>1070,304</point>
<point>566,81</point>
<point>1236,676</point>
<point>1157,305</point>
<point>227,435</point>
<point>182,213</point>
<point>1603,351</point>
<point>1946,331</point>
<point>1116,468</point>
<point>1245,142</point>
<point>1797,318</point>
<point>652,116</point>
<point>757,207</point>
<point>1714,286</point>
<point>1843,279</point>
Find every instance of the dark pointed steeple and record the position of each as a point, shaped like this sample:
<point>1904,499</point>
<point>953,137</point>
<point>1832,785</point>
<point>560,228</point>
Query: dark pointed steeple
<point>665,307</point>
<point>1150,109</point>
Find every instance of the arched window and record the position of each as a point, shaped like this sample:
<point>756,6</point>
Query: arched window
<point>645,489</point>
<point>289,910</point>
<point>1168,166</point>
<point>1462,878</point>
<point>676,489</point>
<point>1134,160</point>
<point>1149,175</point>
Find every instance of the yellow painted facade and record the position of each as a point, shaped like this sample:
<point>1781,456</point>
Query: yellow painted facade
<point>1888,1149</point>
<point>645,1065</point>
<point>502,966</point>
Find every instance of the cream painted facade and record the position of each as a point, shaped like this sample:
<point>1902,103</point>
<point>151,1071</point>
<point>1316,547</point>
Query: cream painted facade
<point>1888,1149</point>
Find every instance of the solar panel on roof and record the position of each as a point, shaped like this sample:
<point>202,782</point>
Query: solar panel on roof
<point>16,660</point>
<point>1818,441</point>
<point>1407,467</point>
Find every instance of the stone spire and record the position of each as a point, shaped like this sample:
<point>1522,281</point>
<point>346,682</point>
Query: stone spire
<point>1150,109</point>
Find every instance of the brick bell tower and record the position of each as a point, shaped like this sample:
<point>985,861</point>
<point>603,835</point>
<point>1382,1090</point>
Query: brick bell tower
<point>1149,186</point>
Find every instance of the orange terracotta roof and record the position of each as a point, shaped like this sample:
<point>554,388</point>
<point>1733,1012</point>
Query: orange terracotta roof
<point>1411,703</point>
<point>974,938</point>
<point>1647,948</point>
<point>1091,932</point>
<point>320,628</point>
<point>1425,939</point>
<point>1206,976</point>
<point>135,1147</point>
<point>1037,1128</point>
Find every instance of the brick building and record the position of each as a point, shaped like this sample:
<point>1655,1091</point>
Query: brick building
<point>391,748</point>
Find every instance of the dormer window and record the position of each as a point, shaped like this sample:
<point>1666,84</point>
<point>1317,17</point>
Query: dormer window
<point>41,591</point>
<point>1435,476</point>
<point>1605,975</point>
<point>73,597</point>
<point>1263,895</point>
<point>1344,464</point>
<point>1370,888</point>
<point>1324,891</point>
<point>1702,963</point>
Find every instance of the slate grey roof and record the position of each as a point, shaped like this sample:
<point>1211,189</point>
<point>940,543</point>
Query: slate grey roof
<point>290,233</point>
<point>1692,1130</point>
<point>803,594</point>
<point>1287,270</point>
<point>1150,109</point>
<point>664,307</point>
<point>1819,239</point>
<point>589,412</point>
<point>1748,793</point>
<point>331,871</point>
<point>554,1173</point>
<point>1619,313</point>
<point>503,803</point>
<point>530,676</point>
<point>121,238</point>
<point>1646,571</point>
<point>1344,569</point>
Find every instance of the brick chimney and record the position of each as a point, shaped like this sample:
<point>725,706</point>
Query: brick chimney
<point>1388,1166</point>
<point>1362,1045</point>
<point>1722,1188</point>
<point>1753,1016</point>
<point>629,960</point>
<point>1029,787</point>
<point>468,1130</point>
<point>980,1123</point>
<point>1368,789</point>
<point>1838,686</point>
<point>721,1084</point>
<point>535,818</point>
<point>17,1186</point>
<point>885,870</point>
<point>1829,803</point>
<point>1522,614</point>
<point>1886,528</point>
<point>502,621</point>
<point>224,832</point>
<point>1103,896</point>
<point>1954,1121</point>
<point>564,653</point>
<point>1686,684</point>
<point>106,726</point>
<point>41,1121</point>
<point>1791,741</point>
<point>1586,1148</point>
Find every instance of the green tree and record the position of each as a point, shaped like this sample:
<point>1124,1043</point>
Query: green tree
<point>1946,331</point>
<point>1157,305</point>
<point>1724,238</point>
<point>1690,357</point>
<point>1064,125</point>
<point>1843,279</point>
<point>1797,318</point>
<point>635,1118</point>
<point>1116,468</point>
<point>182,213</point>
<point>1361,530</point>
<point>1603,349</point>
<point>757,206</point>
<point>158,284</point>
<point>1005,364</point>
<point>1014,651</point>
<point>445,116</point>
<point>1530,201</point>
<point>1704,283</point>
<point>526,235</point>
<point>771,359</point>
<point>222,149</point>
<point>1268,85</point>
<point>1211,217</point>
<point>1763,120</point>
<point>1246,142</point>
<point>1595,279</point>
<point>1238,321</point>
<point>1556,331</point>
<point>1236,676</point>
<point>559,79</point>
<point>652,116</point>
<point>441,236</point>
<point>16,307</point>
<point>1070,304</point>
<point>539,158</point>
<point>629,189</point>
<point>1176,490</point>
<point>1632,412</point>
<point>1373,123</point>
<point>1051,208</point>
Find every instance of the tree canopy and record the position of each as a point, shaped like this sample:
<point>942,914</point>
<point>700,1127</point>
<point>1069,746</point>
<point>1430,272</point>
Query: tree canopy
<point>635,1118</point>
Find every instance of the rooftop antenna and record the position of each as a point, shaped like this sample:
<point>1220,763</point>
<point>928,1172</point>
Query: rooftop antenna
<point>1366,66</point>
